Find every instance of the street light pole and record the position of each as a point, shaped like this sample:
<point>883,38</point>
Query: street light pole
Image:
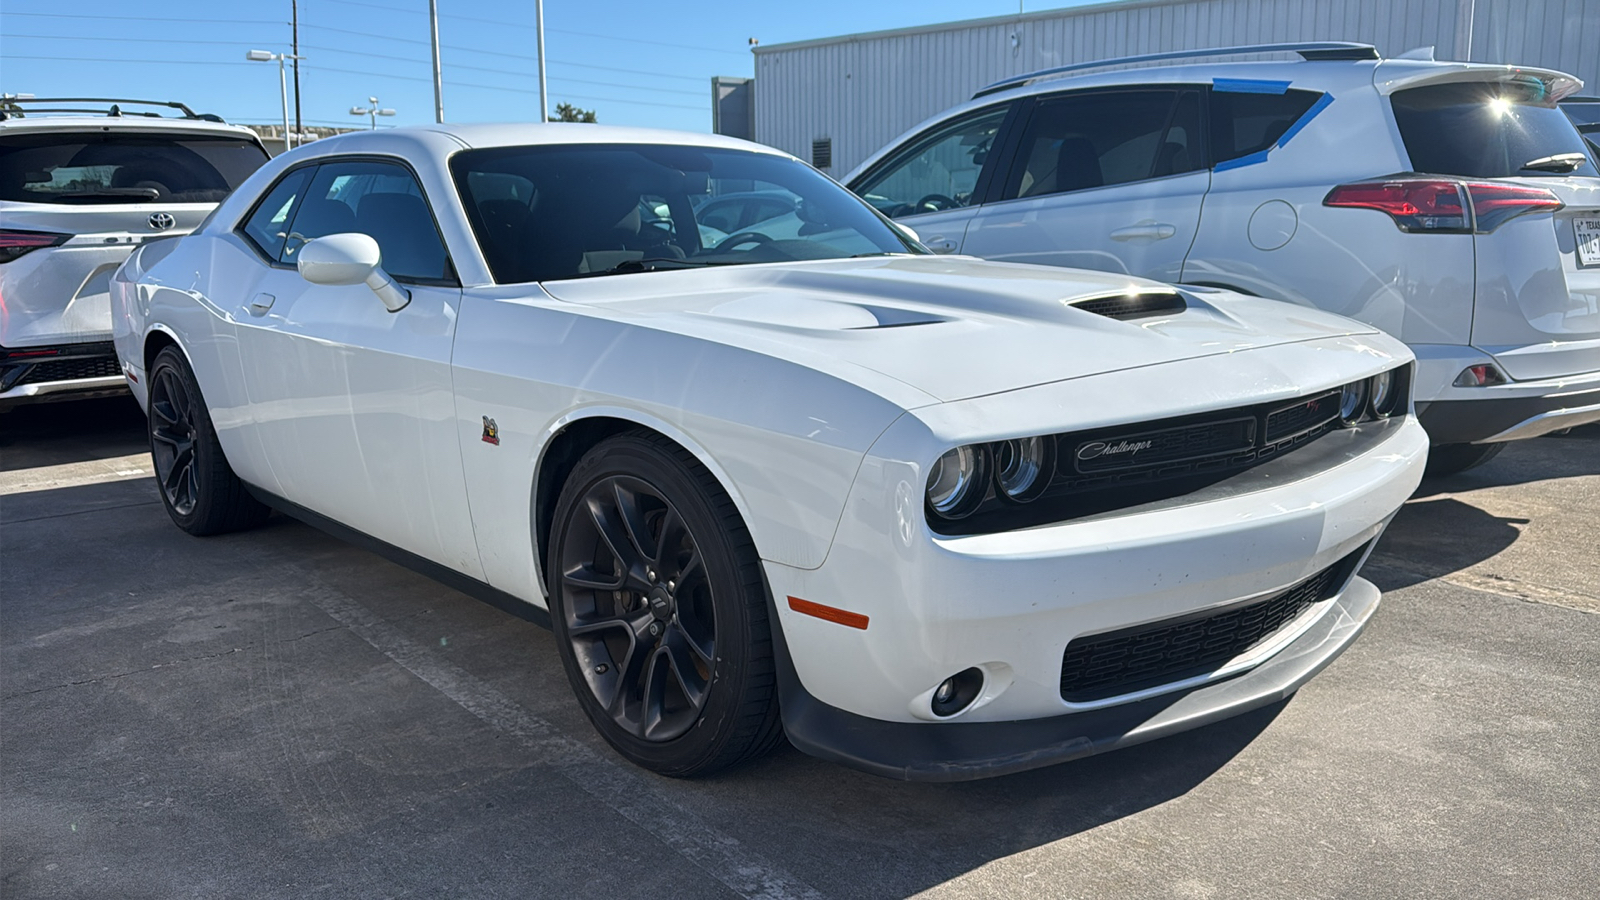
<point>438,79</point>
<point>544,98</point>
<point>283,85</point>
<point>371,112</point>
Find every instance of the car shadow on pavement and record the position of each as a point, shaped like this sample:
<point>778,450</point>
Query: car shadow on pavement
<point>1434,537</point>
<point>53,434</point>
<point>895,839</point>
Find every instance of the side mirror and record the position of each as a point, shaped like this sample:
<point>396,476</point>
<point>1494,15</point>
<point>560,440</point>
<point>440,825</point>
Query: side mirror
<point>352,258</point>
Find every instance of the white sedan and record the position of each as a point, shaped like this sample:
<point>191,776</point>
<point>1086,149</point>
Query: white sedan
<point>936,518</point>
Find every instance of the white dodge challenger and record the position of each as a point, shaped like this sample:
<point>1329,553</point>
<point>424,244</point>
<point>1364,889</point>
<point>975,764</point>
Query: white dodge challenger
<point>932,517</point>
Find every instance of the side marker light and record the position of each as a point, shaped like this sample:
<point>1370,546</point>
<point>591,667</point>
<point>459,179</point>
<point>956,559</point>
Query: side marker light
<point>829,613</point>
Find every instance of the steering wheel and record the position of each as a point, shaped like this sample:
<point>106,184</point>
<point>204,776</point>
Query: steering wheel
<point>935,203</point>
<point>743,237</point>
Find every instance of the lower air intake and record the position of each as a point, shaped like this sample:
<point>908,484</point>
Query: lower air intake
<point>1101,666</point>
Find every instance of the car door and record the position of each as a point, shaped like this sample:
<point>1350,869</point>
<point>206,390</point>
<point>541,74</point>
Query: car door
<point>935,182</point>
<point>353,405</point>
<point>1106,179</point>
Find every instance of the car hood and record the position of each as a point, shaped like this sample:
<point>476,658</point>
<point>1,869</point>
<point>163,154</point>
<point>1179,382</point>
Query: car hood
<point>951,327</point>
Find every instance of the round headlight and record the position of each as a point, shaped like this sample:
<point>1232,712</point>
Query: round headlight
<point>955,483</point>
<point>1022,467</point>
<point>1383,394</point>
<point>1352,402</point>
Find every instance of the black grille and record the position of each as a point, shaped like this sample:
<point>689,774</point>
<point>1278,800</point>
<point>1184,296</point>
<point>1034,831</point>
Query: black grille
<point>1121,662</point>
<point>70,369</point>
<point>1118,452</point>
<point>1304,415</point>
<point>1134,306</point>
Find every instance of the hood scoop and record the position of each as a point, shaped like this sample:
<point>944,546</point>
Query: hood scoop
<point>1137,305</point>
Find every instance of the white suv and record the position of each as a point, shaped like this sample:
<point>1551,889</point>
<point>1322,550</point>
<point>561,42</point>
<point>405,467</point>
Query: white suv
<point>80,187</point>
<point>1451,204</point>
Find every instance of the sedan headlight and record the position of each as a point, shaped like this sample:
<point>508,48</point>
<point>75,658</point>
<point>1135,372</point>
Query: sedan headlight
<point>956,483</point>
<point>1382,390</point>
<point>1022,467</point>
<point>1353,402</point>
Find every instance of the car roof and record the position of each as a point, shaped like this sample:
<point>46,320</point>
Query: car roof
<point>513,134</point>
<point>1327,75</point>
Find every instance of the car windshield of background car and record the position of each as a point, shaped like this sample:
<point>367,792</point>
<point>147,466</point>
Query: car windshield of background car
<point>1479,130</point>
<point>549,212</point>
<point>56,167</point>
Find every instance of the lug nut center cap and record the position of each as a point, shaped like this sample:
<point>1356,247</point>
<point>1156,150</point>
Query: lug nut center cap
<point>661,605</point>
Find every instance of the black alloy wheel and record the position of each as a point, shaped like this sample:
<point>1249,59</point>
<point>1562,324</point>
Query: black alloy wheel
<point>660,609</point>
<point>172,438</point>
<point>198,487</point>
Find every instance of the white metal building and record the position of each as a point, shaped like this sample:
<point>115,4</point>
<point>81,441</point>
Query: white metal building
<point>835,101</point>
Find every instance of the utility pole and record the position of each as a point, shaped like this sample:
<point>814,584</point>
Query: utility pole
<point>294,8</point>
<point>438,79</point>
<point>544,98</point>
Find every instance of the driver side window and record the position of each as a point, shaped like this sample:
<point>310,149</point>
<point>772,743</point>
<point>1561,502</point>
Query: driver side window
<point>936,172</point>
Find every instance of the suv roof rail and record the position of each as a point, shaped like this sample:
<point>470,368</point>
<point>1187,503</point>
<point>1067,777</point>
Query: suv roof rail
<point>1316,50</point>
<point>12,106</point>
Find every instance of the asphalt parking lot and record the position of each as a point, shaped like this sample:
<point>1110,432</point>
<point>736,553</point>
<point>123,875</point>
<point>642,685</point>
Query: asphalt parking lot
<point>278,714</point>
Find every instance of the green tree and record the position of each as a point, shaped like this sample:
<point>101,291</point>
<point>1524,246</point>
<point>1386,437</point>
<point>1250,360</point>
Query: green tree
<point>566,112</point>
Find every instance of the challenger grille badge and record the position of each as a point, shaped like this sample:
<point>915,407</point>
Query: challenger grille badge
<point>162,221</point>
<point>491,431</point>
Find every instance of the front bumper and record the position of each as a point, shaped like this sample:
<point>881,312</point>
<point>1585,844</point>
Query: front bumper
<point>1010,603</point>
<point>959,751</point>
<point>70,371</point>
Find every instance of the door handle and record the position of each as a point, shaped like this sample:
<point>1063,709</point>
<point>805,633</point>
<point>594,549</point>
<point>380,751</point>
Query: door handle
<point>1152,231</point>
<point>940,244</point>
<point>260,303</point>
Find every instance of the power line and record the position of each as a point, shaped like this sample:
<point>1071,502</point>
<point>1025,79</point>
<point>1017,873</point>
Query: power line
<point>503,22</point>
<point>161,62</point>
<point>452,65</point>
<point>495,87</point>
<point>126,40</point>
<point>147,18</point>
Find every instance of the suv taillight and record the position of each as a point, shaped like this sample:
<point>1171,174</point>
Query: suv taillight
<point>15,243</point>
<point>1444,206</point>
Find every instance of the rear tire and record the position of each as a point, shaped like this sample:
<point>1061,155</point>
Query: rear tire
<point>660,609</point>
<point>197,486</point>
<point>1449,459</point>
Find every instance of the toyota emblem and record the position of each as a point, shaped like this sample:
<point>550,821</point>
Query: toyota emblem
<point>162,221</point>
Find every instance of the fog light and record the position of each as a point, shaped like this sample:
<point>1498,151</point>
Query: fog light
<point>1352,402</point>
<point>957,692</point>
<point>1480,376</point>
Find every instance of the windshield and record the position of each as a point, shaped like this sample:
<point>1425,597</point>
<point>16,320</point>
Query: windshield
<point>112,167</point>
<point>548,212</point>
<point>1488,130</point>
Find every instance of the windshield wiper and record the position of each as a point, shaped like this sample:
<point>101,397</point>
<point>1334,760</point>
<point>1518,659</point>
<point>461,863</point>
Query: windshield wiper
<point>1560,162</point>
<point>649,264</point>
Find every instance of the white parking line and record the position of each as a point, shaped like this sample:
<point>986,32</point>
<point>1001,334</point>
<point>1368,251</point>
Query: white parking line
<point>94,471</point>
<point>624,790</point>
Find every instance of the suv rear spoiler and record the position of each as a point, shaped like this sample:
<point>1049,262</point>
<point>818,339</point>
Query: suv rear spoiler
<point>1558,86</point>
<point>12,107</point>
<point>1317,50</point>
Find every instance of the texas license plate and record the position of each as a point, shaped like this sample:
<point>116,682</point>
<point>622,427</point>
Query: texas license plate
<point>1587,232</point>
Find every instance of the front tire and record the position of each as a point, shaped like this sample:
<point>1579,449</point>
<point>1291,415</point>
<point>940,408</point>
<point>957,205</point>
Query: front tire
<point>1449,459</point>
<point>660,609</point>
<point>197,486</point>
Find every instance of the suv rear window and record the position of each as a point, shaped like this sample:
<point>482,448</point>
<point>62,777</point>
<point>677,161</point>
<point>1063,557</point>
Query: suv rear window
<point>1482,130</point>
<point>111,167</point>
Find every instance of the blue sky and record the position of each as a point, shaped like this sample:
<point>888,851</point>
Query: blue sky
<point>635,63</point>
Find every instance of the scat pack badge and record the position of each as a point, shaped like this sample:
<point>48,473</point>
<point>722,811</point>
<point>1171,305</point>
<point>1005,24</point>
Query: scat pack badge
<point>491,431</point>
